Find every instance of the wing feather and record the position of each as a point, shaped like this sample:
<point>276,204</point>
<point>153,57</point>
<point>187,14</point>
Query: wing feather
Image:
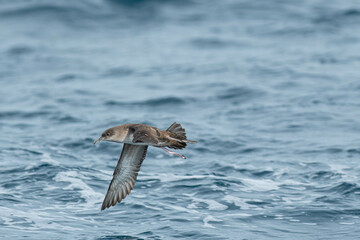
<point>125,174</point>
<point>144,135</point>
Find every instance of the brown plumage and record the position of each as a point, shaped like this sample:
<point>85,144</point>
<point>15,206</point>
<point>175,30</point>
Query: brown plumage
<point>137,138</point>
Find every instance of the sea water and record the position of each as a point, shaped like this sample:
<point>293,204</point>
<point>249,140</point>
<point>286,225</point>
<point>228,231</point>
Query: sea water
<point>269,89</point>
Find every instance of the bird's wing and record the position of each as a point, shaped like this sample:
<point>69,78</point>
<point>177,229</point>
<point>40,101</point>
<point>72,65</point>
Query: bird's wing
<point>143,135</point>
<point>125,174</point>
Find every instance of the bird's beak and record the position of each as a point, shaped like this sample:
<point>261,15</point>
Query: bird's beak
<point>99,140</point>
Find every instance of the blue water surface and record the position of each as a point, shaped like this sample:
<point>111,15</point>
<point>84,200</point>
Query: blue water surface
<point>269,89</point>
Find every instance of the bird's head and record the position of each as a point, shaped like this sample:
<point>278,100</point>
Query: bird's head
<point>110,134</point>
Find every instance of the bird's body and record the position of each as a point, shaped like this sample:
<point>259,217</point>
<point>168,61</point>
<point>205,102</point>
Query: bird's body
<point>136,139</point>
<point>145,135</point>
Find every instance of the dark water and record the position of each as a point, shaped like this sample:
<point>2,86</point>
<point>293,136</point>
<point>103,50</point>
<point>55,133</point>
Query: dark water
<point>270,89</point>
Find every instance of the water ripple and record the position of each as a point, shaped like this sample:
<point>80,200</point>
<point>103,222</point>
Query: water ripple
<point>151,102</point>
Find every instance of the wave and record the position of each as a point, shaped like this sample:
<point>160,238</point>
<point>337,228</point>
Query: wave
<point>20,50</point>
<point>335,18</point>
<point>212,204</point>
<point>163,101</point>
<point>118,72</point>
<point>344,188</point>
<point>22,114</point>
<point>209,219</point>
<point>214,43</point>
<point>63,11</point>
<point>75,182</point>
<point>118,237</point>
<point>75,14</point>
<point>54,116</point>
<point>238,95</point>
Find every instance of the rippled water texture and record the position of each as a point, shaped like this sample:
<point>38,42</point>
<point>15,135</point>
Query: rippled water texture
<point>269,89</point>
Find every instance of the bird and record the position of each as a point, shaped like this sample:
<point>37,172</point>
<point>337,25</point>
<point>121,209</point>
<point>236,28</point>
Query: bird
<point>136,139</point>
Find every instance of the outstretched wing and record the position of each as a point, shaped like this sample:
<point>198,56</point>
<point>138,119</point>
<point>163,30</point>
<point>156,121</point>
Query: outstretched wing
<point>125,174</point>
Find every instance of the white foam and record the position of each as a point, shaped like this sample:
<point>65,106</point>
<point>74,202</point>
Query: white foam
<point>150,206</point>
<point>239,202</point>
<point>169,177</point>
<point>75,181</point>
<point>4,191</point>
<point>35,219</point>
<point>261,185</point>
<point>208,219</point>
<point>212,204</point>
<point>138,195</point>
<point>178,208</point>
<point>346,223</point>
<point>103,174</point>
<point>240,214</point>
<point>189,194</point>
<point>46,158</point>
<point>294,220</point>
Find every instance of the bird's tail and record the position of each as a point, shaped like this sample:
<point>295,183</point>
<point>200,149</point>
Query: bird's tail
<point>178,138</point>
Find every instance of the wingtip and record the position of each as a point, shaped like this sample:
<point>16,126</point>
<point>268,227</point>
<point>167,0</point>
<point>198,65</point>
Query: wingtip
<point>103,206</point>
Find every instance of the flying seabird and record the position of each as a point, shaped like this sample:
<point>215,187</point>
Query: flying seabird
<point>136,139</point>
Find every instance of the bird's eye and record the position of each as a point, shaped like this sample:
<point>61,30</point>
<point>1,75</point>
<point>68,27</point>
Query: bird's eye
<point>107,134</point>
